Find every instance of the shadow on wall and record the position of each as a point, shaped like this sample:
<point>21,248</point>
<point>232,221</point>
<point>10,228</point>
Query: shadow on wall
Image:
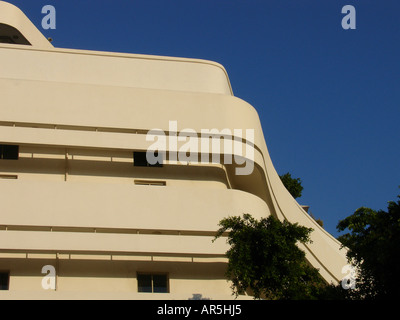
<point>198,296</point>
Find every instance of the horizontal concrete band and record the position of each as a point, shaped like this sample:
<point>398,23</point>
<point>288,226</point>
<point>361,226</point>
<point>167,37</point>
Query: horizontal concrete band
<point>118,206</point>
<point>82,66</point>
<point>238,151</point>
<point>43,255</point>
<point>122,243</point>
<point>120,108</point>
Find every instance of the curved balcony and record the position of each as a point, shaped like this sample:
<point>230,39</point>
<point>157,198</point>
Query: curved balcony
<point>121,206</point>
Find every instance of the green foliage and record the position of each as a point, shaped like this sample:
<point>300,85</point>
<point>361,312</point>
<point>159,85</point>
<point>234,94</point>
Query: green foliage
<point>373,241</point>
<point>293,185</point>
<point>319,221</point>
<point>265,260</point>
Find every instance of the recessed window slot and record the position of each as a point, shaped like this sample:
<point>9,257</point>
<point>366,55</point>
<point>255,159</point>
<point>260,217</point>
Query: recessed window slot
<point>8,176</point>
<point>150,183</point>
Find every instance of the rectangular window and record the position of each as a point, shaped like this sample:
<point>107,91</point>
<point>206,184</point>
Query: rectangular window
<point>160,283</point>
<point>9,152</point>
<point>4,280</point>
<point>152,283</point>
<point>144,283</point>
<point>140,160</point>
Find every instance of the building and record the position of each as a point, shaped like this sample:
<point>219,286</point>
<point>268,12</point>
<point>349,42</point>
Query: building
<point>85,214</point>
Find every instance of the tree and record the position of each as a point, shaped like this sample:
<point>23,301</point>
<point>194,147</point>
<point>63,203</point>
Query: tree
<point>319,221</point>
<point>373,243</point>
<point>265,260</point>
<point>293,185</point>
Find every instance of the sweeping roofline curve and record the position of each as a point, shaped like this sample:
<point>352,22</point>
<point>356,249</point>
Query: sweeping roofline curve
<point>123,55</point>
<point>13,17</point>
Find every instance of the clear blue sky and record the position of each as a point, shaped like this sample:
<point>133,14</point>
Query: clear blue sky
<point>328,98</point>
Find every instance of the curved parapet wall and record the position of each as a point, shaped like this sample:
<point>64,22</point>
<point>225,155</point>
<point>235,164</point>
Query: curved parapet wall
<point>69,66</point>
<point>325,252</point>
<point>20,28</point>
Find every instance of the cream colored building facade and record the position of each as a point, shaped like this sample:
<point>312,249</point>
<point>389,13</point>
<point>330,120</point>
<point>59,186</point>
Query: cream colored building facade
<point>83,216</point>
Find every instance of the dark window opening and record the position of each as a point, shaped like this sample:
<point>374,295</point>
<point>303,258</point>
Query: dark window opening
<point>160,283</point>
<point>152,283</point>
<point>140,159</point>
<point>6,39</point>
<point>4,280</point>
<point>9,34</point>
<point>9,152</point>
<point>8,176</point>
